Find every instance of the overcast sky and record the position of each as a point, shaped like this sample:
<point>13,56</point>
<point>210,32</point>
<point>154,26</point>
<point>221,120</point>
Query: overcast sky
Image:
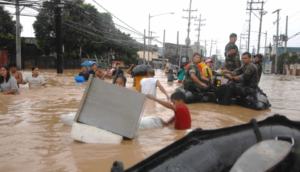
<point>222,19</point>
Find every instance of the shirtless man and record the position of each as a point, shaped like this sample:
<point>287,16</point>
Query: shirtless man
<point>16,74</point>
<point>100,74</point>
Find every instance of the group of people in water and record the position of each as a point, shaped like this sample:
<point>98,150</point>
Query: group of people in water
<point>10,79</point>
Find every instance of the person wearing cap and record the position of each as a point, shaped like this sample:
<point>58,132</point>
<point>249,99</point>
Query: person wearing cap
<point>258,63</point>
<point>232,59</point>
<point>207,65</point>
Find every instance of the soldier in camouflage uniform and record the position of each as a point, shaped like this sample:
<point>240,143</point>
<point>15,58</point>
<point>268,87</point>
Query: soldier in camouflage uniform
<point>232,57</point>
<point>247,75</point>
<point>258,63</point>
<point>193,74</point>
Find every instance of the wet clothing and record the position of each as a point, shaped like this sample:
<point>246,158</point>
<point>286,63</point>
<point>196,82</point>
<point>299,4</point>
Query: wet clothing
<point>249,78</point>
<point>10,85</point>
<point>182,118</point>
<point>92,72</point>
<point>248,75</point>
<point>120,72</point>
<point>180,74</point>
<point>35,82</point>
<point>148,86</point>
<point>189,83</point>
<point>232,62</point>
<point>259,69</point>
<point>85,75</point>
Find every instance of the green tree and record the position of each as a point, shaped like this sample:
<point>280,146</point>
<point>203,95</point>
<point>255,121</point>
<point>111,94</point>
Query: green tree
<point>82,26</point>
<point>7,32</point>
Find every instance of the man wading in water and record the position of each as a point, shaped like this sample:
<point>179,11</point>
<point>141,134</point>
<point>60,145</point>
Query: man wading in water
<point>16,74</point>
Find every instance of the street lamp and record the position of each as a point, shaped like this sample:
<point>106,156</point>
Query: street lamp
<point>149,29</point>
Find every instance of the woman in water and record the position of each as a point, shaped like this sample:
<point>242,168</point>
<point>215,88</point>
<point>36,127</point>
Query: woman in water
<point>35,80</point>
<point>8,84</point>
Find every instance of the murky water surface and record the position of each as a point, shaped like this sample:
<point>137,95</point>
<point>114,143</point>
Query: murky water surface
<point>33,138</point>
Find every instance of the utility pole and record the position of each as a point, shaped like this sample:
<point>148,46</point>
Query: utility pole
<point>216,57</point>
<point>180,55</point>
<point>276,39</point>
<point>149,38</point>
<point>285,40</point>
<point>199,29</point>
<point>58,36</point>
<point>144,46</point>
<point>163,64</point>
<point>260,23</point>
<point>188,41</point>
<point>177,48</point>
<point>18,39</point>
<point>265,44</point>
<point>212,42</point>
<point>249,29</point>
<point>151,48</point>
<point>205,48</point>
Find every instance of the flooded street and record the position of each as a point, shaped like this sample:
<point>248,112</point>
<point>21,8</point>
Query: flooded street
<point>33,138</point>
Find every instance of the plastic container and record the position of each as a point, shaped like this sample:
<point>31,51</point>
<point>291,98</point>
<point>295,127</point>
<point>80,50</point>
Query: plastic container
<point>79,81</point>
<point>138,80</point>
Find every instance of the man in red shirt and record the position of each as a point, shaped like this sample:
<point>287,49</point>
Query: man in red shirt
<point>182,115</point>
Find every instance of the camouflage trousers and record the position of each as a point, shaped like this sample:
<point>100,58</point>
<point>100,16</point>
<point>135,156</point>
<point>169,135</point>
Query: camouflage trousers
<point>232,65</point>
<point>194,87</point>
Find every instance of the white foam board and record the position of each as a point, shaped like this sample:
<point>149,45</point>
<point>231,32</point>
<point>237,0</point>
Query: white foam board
<point>89,134</point>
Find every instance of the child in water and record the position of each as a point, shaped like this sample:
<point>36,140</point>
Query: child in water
<point>182,115</point>
<point>121,81</point>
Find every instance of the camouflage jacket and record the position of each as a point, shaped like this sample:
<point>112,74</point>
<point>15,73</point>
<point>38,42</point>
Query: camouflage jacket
<point>232,62</point>
<point>259,69</point>
<point>248,75</point>
<point>193,68</point>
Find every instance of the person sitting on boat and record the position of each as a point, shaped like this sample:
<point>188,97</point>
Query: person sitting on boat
<point>247,75</point>
<point>182,115</point>
<point>94,69</point>
<point>148,85</point>
<point>115,71</point>
<point>180,74</point>
<point>35,80</point>
<point>84,73</point>
<point>258,60</point>
<point>198,64</point>
<point>207,66</point>
<point>192,79</point>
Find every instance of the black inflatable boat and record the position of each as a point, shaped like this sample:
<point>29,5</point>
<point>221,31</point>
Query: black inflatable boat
<point>218,150</point>
<point>256,101</point>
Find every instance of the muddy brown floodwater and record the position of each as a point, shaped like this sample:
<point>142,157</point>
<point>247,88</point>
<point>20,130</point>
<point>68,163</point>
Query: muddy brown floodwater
<point>33,138</point>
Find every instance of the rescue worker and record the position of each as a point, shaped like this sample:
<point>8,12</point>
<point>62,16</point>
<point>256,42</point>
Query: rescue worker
<point>193,76</point>
<point>258,62</point>
<point>232,60</point>
<point>247,75</point>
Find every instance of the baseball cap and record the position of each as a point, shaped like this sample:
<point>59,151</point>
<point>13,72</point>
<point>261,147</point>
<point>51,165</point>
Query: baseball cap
<point>209,60</point>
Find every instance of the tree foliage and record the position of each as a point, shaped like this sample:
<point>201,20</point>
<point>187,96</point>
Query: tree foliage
<point>285,57</point>
<point>82,26</point>
<point>7,31</point>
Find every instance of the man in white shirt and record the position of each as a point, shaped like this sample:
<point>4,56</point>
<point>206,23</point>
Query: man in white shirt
<point>148,85</point>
